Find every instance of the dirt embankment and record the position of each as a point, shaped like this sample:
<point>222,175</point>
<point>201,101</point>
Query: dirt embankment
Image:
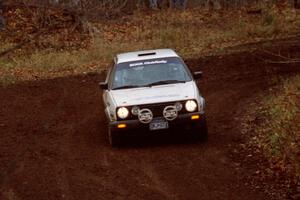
<point>54,145</point>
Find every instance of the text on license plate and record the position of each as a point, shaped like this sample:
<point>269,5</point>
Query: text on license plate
<point>158,125</point>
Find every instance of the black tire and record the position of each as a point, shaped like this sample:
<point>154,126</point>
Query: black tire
<point>114,138</point>
<point>200,131</point>
<point>204,131</point>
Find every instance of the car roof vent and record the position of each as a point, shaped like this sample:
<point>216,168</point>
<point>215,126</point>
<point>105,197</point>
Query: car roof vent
<point>147,54</point>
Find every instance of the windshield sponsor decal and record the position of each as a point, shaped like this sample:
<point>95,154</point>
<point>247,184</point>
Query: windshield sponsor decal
<point>157,97</point>
<point>148,63</point>
<point>135,64</point>
<point>155,62</point>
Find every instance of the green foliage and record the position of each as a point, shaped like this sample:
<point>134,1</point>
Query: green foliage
<point>268,19</point>
<point>280,132</point>
<point>274,139</point>
<point>7,79</point>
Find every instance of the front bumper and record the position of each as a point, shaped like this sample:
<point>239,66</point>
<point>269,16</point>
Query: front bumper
<point>183,121</point>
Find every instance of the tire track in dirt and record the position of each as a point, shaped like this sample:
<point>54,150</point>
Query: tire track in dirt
<point>54,145</point>
<point>157,183</point>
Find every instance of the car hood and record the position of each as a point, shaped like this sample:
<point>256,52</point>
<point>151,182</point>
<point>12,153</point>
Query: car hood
<point>155,94</point>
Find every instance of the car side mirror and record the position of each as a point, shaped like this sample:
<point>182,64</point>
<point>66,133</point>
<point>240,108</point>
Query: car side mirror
<point>197,74</point>
<point>103,85</point>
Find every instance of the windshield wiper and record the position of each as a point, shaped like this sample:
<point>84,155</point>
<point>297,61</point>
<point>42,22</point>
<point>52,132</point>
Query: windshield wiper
<point>166,82</point>
<point>149,85</point>
<point>129,86</point>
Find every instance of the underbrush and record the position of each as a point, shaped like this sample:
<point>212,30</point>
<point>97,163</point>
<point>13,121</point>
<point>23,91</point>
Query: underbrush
<point>192,33</point>
<point>278,133</point>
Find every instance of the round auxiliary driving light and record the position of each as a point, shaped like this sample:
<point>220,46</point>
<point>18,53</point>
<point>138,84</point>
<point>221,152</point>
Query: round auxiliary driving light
<point>145,116</point>
<point>170,113</point>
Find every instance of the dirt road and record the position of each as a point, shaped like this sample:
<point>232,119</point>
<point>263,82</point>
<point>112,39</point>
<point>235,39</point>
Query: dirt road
<point>53,142</point>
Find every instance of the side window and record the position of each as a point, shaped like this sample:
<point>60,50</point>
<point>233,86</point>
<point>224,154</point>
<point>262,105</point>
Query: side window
<point>117,79</point>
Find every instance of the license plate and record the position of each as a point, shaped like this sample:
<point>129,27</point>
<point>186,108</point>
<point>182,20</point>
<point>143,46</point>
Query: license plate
<point>158,125</point>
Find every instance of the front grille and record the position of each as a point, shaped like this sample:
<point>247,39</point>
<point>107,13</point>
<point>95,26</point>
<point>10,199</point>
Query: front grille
<point>156,109</point>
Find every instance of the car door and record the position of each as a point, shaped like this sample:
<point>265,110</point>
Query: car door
<point>107,98</point>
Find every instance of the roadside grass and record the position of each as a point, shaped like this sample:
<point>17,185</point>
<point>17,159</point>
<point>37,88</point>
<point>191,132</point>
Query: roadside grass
<point>192,33</point>
<point>279,133</point>
<point>7,79</point>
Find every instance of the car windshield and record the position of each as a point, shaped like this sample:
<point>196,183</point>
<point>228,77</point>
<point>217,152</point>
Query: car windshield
<point>148,73</point>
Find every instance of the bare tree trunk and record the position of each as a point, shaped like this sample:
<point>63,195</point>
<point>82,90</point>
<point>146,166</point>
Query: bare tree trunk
<point>2,20</point>
<point>296,4</point>
<point>213,4</point>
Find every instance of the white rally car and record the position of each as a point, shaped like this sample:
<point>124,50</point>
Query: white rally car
<point>152,90</point>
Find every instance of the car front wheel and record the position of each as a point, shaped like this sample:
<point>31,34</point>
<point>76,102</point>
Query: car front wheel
<point>114,138</point>
<point>200,131</point>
